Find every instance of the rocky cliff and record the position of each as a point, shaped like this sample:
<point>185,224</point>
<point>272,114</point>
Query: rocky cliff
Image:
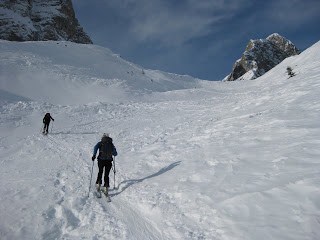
<point>38,20</point>
<point>260,56</point>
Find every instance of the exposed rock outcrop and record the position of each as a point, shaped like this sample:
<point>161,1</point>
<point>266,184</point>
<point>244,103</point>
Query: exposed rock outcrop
<point>260,56</point>
<point>38,20</point>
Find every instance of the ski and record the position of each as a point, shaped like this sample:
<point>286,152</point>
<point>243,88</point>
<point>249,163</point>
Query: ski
<point>106,193</point>
<point>98,191</point>
<point>108,197</point>
<point>98,194</point>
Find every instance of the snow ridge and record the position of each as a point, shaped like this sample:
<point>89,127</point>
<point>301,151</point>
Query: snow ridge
<point>65,70</point>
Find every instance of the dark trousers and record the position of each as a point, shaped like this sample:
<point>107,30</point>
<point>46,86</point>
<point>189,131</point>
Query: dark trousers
<point>106,166</point>
<point>46,127</point>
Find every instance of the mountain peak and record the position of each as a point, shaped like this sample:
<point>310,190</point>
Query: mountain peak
<point>275,35</point>
<point>37,20</point>
<point>261,55</point>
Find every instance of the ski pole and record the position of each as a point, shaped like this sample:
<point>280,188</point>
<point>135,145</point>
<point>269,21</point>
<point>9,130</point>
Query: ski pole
<point>91,178</point>
<point>51,127</point>
<point>114,173</point>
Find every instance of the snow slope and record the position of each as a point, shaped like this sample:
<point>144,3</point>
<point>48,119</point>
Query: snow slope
<point>197,159</point>
<point>65,70</point>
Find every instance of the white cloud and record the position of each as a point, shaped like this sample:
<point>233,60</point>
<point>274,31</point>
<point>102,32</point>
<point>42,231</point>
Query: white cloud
<point>293,12</point>
<point>173,23</point>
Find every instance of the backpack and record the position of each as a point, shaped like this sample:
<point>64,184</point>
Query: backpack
<point>105,150</point>
<point>46,118</point>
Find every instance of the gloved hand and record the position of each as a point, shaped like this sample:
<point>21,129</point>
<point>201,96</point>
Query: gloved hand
<point>52,119</point>
<point>93,157</point>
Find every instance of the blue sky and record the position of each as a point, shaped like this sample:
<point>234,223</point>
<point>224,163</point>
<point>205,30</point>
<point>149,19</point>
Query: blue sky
<point>201,38</point>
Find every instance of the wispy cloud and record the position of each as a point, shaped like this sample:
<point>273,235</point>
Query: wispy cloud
<point>293,13</point>
<point>198,37</point>
<point>174,22</point>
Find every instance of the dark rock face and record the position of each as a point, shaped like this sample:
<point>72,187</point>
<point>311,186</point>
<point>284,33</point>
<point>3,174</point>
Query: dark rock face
<point>262,55</point>
<point>39,20</point>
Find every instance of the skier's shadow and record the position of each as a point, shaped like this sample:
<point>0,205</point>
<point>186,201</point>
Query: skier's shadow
<point>78,133</point>
<point>128,183</point>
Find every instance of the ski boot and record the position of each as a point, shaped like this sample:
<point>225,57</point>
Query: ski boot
<point>105,190</point>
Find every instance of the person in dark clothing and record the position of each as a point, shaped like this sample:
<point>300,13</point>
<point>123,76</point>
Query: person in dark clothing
<point>106,152</point>
<point>46,121</point>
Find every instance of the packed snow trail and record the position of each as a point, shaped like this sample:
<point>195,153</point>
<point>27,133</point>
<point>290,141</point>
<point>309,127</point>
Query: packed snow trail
<point>225,161</point>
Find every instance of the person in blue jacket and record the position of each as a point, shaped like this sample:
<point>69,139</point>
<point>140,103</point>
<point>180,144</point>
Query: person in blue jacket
<point>106,152</point>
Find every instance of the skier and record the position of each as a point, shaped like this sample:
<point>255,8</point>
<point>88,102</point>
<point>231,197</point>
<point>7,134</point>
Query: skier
<point>106,152</point>
<point>46,120</point>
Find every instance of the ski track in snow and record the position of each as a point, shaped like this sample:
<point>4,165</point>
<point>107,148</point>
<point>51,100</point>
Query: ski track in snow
<point>226,161</point>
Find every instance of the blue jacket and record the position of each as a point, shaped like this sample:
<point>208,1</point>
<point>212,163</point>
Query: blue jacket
<point>97,146</point>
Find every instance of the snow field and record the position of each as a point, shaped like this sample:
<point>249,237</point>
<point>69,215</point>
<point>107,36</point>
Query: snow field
<point>225,161</point>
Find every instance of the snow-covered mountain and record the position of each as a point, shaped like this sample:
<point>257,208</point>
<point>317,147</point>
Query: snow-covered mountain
<point>197,159</point>
<point>63,71</point>
<point>260,56</point>
<point>38,20</point>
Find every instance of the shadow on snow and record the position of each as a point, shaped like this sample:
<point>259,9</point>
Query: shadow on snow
<point>128,183</point>
<point>56,133</point>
